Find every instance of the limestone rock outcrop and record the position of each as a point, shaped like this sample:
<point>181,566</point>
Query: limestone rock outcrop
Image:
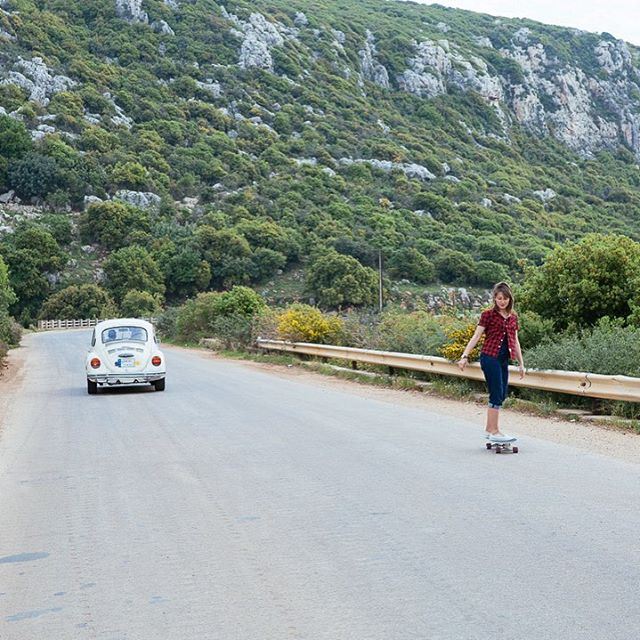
<point>585,112</point>
<point>131,11</point>
<point>258,36</point>
<point>372,70</point>
<point>40,81</point>
<point>140,199</point>
<point>409,169</point>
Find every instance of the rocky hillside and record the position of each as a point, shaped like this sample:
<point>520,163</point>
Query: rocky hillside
<point>461,145</point>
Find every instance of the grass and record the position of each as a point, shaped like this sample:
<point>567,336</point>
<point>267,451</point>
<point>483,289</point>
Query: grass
<point>285,288</point>
<point>542,409</point>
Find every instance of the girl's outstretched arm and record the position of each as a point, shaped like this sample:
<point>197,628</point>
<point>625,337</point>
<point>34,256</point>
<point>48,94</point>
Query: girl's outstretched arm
<point>462,363</point>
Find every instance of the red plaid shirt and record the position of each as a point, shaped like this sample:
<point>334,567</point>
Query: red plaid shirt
<point>495,328</point>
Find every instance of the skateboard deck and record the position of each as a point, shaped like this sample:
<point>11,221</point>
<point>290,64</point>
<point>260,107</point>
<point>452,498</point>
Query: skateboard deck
<point>503,447</point>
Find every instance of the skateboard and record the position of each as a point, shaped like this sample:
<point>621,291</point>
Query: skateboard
<point>503,447</point>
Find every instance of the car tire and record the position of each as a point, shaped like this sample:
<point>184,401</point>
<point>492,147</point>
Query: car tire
<point>160,384</point>
<point>92,387</point>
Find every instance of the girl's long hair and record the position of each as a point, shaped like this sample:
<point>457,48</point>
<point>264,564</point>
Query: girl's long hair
<point>505,289</point>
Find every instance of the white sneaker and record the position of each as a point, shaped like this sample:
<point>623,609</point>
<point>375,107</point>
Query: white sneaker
<point>501,437</point>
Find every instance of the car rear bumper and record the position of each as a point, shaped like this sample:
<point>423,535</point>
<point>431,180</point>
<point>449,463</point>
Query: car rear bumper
<point>115,379</point>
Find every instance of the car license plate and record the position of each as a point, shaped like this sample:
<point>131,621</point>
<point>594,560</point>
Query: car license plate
<point>126,363</point>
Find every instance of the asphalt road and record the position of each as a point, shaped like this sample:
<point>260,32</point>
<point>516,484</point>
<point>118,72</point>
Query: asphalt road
<point>240,505</point>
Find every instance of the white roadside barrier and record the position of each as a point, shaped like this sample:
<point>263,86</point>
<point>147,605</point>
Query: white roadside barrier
<point>48,325</point>
<point>592,385</point>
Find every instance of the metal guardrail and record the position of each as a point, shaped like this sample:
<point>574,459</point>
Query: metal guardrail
<point>592,385</point>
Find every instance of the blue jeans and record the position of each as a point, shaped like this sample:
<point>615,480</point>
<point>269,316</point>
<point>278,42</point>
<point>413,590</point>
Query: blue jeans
<point>496,374</point>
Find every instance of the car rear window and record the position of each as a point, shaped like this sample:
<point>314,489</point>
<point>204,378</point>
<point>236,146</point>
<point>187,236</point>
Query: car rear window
<point>124,333</point>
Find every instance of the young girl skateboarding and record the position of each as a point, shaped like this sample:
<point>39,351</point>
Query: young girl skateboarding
<point>500,328</point>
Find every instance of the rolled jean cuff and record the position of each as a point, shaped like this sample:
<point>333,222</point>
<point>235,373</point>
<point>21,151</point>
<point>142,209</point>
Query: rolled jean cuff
<point>494,406</point>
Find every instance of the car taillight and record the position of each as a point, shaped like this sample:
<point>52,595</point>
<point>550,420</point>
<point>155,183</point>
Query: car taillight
<point>156,361</point>
<point>95,363</point>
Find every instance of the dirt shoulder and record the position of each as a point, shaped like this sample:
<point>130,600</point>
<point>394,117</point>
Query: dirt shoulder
<point>11,375</point>
<point>598,439</point>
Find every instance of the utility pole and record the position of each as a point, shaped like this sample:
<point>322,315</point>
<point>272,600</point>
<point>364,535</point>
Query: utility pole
<point>380,279</point>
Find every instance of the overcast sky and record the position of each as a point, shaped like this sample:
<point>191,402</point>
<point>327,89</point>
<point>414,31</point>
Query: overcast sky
<point>620,18</point>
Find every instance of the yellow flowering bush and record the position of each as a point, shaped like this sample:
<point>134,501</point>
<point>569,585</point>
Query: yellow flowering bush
<point>457,340</point>
<point>304,323</point>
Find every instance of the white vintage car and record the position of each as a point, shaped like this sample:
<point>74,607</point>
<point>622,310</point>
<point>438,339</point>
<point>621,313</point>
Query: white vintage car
<point>124,352</point>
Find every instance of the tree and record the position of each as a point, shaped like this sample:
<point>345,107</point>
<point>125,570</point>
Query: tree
<point>47,252</point>
<point>228,255</point>
<point>132,268</point>
<point>239,301</point>
<point>130,175</point>
<point>411,264</point>
<point>186,273</point>
<point>140,304</point>
<point>34,175</point>
<point>489,272</point>
<point>78,301</point>
<point>15,140</point>
<point>32,254</point>
<point>8,333</point>
<point>265,263</point>
<point>269,235</point>
<point>7,296</point>
<point>454,266</point>
<point>337,281</point>
<point>28,282</point>
<point>496,249</point>
<point>582,282</point>
<point>112,223</point>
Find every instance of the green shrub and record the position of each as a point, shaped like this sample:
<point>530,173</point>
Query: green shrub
<point>580,283</point>
<point>235,332</point>
<point>454,267</point>
<point>15,140</point>
<point>130,175</point>
<point>140,304</point>
<point>415,332</point>
<point>195,317</point>
<point>10,331</point>
<point>337,280</point>
<point>239,301</point>
<point>412,265</point>
<point>77,302</point>
<point>534,329</point>
<point>213,312</point>
<point>112,223</point>
<point>489,272</point>
<point>358,328</point>
<point>34,175</point>
<point>608,348</point>
<point>166,322</point>
<point>132,268</point>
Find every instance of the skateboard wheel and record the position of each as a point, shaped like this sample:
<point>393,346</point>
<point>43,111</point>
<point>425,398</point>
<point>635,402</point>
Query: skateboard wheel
<point>515,449</point>
<point>498,449</point>
<point>488,445</point>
